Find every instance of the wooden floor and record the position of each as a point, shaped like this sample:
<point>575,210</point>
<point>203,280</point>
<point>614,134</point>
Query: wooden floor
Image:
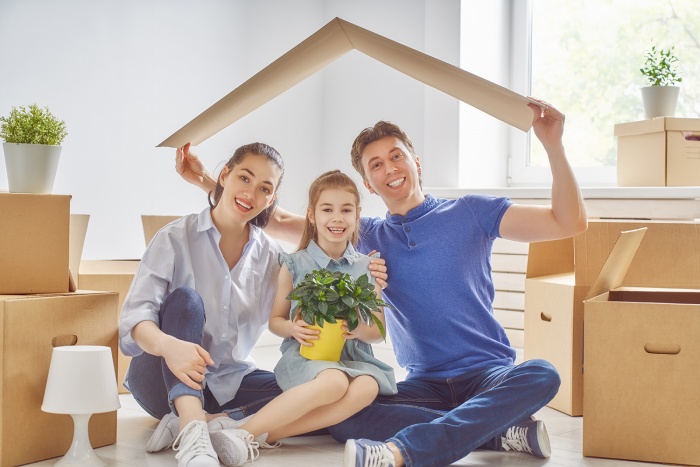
<point>135,428</point>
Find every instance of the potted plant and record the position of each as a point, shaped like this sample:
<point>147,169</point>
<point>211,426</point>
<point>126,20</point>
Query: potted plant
<point>660,96</point>
<point>32,147</point>
<point>326,300</point>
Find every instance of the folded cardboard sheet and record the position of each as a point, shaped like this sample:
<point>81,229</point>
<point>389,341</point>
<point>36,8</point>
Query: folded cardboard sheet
<point>329,43</point>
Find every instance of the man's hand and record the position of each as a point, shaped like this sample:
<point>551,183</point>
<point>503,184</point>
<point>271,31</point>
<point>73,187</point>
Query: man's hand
<point>192,169</point>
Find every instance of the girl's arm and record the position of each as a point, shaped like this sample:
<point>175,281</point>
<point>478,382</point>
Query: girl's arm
<point>364,332</point>
<point>280,324</point>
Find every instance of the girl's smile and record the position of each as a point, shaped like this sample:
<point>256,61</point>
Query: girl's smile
<point>335,217</point>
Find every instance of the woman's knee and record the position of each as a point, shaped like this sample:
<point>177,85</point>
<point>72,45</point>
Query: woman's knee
<point>184,303</point>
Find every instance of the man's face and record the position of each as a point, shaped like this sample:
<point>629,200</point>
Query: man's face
<point>392,173</point>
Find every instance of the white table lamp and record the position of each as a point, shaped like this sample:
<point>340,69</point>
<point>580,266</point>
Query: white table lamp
<point>81,382</point>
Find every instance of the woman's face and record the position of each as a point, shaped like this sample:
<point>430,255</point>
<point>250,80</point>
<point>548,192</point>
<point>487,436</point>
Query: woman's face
<point>249,187</point>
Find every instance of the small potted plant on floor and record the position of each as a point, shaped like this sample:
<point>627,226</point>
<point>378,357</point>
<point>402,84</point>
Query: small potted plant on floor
<point>32,147</point>
<point>326,300</point>
<point>660,96</point>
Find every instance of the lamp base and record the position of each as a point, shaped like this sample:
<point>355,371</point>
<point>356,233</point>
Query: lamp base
<point>80,452</point>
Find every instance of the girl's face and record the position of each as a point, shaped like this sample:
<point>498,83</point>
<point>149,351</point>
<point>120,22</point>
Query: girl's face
<point>335,215</point>
<point>249,187</point>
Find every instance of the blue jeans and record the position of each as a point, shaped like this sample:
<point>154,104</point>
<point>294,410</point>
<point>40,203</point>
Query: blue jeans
<point>435,422</point>
<point>155,387</point>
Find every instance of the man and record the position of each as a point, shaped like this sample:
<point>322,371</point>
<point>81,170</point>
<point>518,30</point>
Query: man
<point>463,391</point>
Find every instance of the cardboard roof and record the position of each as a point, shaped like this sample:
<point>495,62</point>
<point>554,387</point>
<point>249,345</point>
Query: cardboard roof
<point>326,45</point>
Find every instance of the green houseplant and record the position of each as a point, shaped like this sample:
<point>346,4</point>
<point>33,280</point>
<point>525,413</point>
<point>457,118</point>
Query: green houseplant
<point>661,95</point>
<point>327,298</point>
<point>32,147</point>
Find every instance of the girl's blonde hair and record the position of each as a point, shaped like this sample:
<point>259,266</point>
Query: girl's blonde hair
<point>334,179</point>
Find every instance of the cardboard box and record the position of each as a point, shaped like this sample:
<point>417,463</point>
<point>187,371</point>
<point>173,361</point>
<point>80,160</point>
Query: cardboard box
<point>113,276</point>
<point>34,243</point>
<point>30,326</point>
<point>560,273</point>
<point>152,224</point>
<point>662,151</point>
<point>641,398</point>
<point>331,42</point>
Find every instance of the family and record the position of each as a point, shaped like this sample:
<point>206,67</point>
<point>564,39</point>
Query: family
<point>210,283</point>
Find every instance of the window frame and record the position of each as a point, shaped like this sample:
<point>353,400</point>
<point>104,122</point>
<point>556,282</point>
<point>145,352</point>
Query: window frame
<point>519,172</point>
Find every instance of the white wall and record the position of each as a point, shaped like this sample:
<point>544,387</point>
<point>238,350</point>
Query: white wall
<point>126,74</point>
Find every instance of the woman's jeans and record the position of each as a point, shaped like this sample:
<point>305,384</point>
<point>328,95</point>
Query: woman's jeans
<point>154,386</point>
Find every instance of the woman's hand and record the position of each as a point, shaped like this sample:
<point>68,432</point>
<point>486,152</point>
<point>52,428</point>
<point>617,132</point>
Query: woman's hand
<point>187,361</point>
<point>301,331</point>
<point>377,268</point>
<point>192,169</point>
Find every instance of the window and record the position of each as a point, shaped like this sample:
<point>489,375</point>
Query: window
<point>584,58</point>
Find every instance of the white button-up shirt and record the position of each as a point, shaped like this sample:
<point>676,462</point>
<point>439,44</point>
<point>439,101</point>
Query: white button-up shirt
<point>237,302</point>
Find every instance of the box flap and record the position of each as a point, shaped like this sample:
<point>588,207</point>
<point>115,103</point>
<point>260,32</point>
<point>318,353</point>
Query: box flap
<point>683,124</point>
<point>552,257</point>
<point>618,262</point>
<point>329,43</point>
<point>76,239</point>
<point>152,224</point>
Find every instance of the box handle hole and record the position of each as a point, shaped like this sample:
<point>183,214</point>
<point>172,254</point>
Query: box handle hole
<point>662,349</point>
<point>546,317</point>
<point>62,341</point>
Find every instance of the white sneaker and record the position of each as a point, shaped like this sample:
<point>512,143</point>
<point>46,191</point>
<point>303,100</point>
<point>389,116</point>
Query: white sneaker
<point>165,433</point>
<point>234,446</point>
<point>225,423</point>
<point>195,446</point>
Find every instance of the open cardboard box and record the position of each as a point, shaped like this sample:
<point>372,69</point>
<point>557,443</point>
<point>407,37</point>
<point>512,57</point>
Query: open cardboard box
<point>153,223</point>
<point>641,397</point>
<point>662,151</point>
<point>560,274</point>
<point>31,326</point>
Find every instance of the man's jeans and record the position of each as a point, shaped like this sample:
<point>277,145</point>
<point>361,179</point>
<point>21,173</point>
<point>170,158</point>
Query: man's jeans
<point>154,386</point>
<point>435,422</point>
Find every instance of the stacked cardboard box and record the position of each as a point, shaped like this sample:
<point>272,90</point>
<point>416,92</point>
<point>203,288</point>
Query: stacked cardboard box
<point>115,276</point>
<point>662,151</point>
<point>560,274</point>
<point>37,313</point>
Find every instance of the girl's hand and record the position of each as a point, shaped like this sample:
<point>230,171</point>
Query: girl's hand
<point>187,361</point>
<point>301,332</point>
<point>377,268</point>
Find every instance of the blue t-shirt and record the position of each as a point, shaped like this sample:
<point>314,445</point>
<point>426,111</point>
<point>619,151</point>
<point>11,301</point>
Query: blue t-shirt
<point>438,258</point>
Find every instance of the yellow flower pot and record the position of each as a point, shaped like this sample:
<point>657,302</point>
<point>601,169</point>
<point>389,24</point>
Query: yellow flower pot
<point>329,345</point>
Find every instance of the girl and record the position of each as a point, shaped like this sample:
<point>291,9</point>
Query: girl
<point>317,393</point>
<point>198,304</point>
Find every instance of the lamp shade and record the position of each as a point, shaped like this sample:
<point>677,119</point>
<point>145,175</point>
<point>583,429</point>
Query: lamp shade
<point>81,381</point>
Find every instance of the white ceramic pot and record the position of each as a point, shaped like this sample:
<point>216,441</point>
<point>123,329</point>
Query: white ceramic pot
<point>660,101</point>
<point>31,168</point>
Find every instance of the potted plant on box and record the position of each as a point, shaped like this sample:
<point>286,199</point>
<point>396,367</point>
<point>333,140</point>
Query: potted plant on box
<point>660,96</point>
<point>32,147</point>
<point>326,300</point>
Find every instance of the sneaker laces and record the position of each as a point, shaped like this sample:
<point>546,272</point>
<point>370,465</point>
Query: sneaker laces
<point>516,439</point>
<point>377,456</point>
<point>192,438</point>
<point>252,445</point>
